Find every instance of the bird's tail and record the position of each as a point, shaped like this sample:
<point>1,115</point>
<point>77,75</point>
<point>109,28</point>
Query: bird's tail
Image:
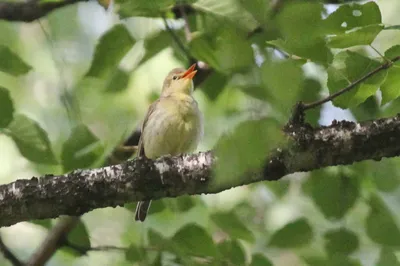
<point>141,210</point>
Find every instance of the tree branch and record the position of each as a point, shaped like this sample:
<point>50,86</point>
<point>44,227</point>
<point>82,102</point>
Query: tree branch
<point>53,241</point>
<point>386,65</point>
<point>30,10</point>
<point>81,191</point>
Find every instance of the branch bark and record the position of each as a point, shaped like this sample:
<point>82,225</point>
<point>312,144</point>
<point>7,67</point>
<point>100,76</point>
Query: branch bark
<point>30,10</point>
<point>81,191</point>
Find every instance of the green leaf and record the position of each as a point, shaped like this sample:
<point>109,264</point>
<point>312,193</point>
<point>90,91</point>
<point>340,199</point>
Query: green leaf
<point>143,8</point>
<point>353,24</point>
<point>385,174</point>
<point>351,16</point>
<point>348,67</point>
<point>203,47</point>
<point>362,36</point>
<point>155,44</point>
<point>260,9</point>
<point>214,85</point>
<point>79,236</point>
<point>156,239</point>
<point>45,223</point>
<point>226,50</point>
<point>338,260</point>
<point>333,194</point>
<point>11,63</point>
<point>134,254</point>
<point>393,52</point>
<point>317,51</point>
<point>280,188</point>
<point>391,86</point>
<point>341,241</point>
<point>131,206</point>
<point>227,11</point>
<point>185,203</point>
<point>299,22</point>
<point>367,110</point>
<point>231,225</point>
<point>50,1</point>
<point>157,261</point>
<point>310,93</point>
<point>300,26</point>
<point>260,260</point>
<point>111,48</point>
<point>118,81</point>
<point>292,235</point>
<point>156,206</point>
<point>387,258</point>
<point>81,150</point>
<point>194,240</point>
<point>32,141</point>
<point>283,80</point>
<point>6,108</point>
<point>232,251</point>
<point>315,261</point>
<point>245,150</point>
<point>380,224</point>
<point>250,82</point>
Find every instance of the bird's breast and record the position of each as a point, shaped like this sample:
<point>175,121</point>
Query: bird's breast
<point>174,127</point>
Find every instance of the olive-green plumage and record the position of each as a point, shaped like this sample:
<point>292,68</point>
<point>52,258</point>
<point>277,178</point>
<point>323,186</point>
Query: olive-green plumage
<point>173,124</point>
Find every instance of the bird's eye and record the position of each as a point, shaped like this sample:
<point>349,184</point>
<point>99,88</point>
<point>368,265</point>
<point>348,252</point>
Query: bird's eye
<point>174,77</point>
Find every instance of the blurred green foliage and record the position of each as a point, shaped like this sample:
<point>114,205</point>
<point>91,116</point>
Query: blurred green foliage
<point>76,83</point>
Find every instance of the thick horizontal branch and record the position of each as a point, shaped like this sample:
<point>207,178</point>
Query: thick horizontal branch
<point>81,191</point>
<point>30,10</point>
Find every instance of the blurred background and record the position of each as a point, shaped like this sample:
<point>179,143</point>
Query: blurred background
<point>58,95</point>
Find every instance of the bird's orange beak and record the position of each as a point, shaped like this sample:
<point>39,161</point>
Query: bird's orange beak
<point>189,74</point>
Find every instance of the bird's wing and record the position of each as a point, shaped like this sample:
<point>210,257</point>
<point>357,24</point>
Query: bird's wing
<point>151,109</point>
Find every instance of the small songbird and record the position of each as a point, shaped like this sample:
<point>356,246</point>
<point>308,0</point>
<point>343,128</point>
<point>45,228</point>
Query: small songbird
<point>173,123</point>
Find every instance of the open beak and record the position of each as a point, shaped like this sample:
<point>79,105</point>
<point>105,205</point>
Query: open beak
<point>189,74</point>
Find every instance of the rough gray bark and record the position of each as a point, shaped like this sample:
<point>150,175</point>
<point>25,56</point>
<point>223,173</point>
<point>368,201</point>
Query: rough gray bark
<point>78,192</point>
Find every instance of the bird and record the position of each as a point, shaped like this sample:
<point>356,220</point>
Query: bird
<point>172,125</point>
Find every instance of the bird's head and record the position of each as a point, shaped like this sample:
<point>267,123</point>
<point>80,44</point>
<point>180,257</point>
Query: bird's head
<point>179,80</point>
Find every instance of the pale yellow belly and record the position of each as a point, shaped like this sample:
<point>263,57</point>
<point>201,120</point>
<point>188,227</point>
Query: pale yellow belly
<point>172,133</point>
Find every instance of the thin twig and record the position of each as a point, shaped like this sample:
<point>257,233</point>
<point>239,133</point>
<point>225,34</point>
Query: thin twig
<point>188,33</point>
<point>68,100</point>
<point>307,106</point>
<point>52,241</point>
<point>84,250</point>
<point>176,39</point>
<point>204,70</point>
<point>105,248</point>
<point>9,255</point>
<point>379,53</point>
